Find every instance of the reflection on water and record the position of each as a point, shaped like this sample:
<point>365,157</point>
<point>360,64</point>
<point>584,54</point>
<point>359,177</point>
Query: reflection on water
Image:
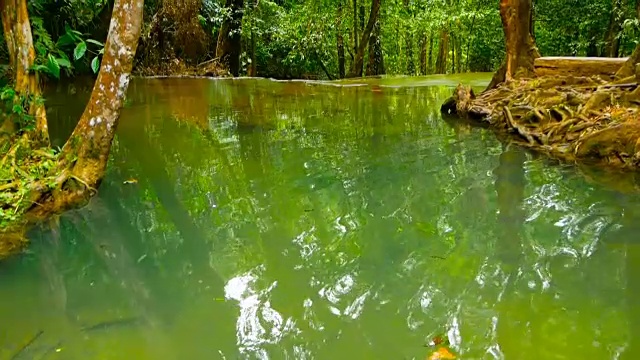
<point>272,220</point>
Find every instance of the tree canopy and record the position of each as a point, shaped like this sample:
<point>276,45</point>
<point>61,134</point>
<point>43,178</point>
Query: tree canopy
<point>327,38</point>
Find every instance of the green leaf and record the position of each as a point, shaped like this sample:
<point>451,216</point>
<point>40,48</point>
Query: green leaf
<point>53,66</point>
<point>94,42</point>
<point>95,65</point>
<point>40,67</point>
<point>65,40</point>
<point>79,51</point>
<point>63,62</point>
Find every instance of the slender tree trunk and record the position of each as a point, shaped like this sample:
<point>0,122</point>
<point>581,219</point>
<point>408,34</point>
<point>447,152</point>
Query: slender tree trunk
<point>340,40</point>
<point>430,55</point>
<point>612,48</point>
<point>408,37</point>
<point>356,70</point>
<point>86,152</point>
<point>17,34</point>
<point>458,49</point>
<point>253,68</point>
<point>423,54</point>
<point>453,53</point>
<point>229,47</point>
<point>376,58</point>
<point>521,49</point>
<point>638,9</point>
<point>355,27</point>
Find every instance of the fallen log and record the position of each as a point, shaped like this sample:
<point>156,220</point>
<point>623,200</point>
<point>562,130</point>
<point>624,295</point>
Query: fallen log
<point>577,66</point>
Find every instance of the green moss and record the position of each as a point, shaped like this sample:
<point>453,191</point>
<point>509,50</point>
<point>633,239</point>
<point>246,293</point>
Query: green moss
<point>20,168</point>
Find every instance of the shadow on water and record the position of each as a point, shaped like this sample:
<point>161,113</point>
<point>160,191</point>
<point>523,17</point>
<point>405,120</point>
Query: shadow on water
<point>261,219</point>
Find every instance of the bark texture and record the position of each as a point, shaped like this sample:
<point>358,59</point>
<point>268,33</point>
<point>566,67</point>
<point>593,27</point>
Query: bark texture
<point>443,51</point>
<point>229,47</point>
<point>521,48</point>
<point>629,67</point>
<point>91,140</point>
<point>376,57</point>
<point>17,34</point>
<point>356,69</point>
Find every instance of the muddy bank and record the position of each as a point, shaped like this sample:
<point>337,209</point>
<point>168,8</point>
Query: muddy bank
<point>586,120</point>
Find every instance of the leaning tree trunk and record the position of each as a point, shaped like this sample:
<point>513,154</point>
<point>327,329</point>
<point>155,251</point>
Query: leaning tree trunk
<point>86,152</point>
<point>356,68</point>
<point>521,48</point>
<point>229,44</point>
<point>17,34</point>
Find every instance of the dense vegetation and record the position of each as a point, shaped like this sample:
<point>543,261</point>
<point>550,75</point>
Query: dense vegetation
<point>324,38</point>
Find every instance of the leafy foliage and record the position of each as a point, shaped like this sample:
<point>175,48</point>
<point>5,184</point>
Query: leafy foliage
<point>298,38</point>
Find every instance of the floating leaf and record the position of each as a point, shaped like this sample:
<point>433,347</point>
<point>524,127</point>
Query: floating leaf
<point>80,50</point>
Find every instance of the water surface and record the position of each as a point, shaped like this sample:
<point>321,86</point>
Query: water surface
<point>256,219</point>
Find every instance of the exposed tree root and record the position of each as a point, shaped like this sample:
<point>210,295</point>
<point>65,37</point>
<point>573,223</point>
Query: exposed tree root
<point>32,187</point>
<point>577,119</point>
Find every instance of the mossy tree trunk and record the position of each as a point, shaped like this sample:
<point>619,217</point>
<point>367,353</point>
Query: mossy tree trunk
<point>17,34</point>
<point>86,152</point>
<point>521,48</point>
<point>356,68</point>
<point>229,44</point>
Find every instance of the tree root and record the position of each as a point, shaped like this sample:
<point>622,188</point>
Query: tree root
<point>577,119</point>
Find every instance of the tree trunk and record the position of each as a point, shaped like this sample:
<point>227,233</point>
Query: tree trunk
<point>17,34</point>
<point>612,48</point>
<point>253,68</point>
<point>355,27</point>
<point>340,40</point>
<point>356,69</point>
<point>443,50</point>
<point>376,58</point>
<point>638,9</point>
<point>423,54</point>
<point>430,55</point>
<point>229,47</point>
<point>521,49</point>
<point>453,53</point>
<point>408,38</point>
<point>629,67</point>
<point>86,152</point>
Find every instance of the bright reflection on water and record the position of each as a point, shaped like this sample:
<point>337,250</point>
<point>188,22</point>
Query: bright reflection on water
<point>288,220</point>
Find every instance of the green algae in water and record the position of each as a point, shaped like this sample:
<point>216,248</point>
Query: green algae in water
<point>313,221</point>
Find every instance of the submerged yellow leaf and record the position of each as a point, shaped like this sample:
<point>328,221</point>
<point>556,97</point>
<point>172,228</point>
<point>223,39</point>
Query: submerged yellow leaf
<point>441,354</point>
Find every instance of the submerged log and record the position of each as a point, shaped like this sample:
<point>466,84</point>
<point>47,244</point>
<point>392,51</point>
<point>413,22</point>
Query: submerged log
<point>577,66</point>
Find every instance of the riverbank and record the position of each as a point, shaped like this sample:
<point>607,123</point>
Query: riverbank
<point>580,119</point>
